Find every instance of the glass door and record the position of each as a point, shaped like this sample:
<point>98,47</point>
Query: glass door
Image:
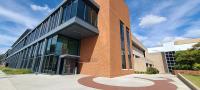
<point>69,67</point>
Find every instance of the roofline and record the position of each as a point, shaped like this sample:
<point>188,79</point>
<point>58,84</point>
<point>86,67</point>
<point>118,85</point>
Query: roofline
<point>138,43</point>
<point>62,3</point>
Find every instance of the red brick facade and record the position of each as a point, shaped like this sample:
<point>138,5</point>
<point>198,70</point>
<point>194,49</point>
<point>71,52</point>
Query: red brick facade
<point>101,55</point>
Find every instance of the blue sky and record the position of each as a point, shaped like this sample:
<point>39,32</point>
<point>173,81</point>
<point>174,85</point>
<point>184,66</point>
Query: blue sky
<point>152,21</point>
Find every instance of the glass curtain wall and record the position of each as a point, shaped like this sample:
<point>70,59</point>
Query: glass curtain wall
<point>31,56</point>
<point>39,53</point>
<point>56,46</point>
<point>50,61</point>
<point>170,59</point>
<point>82,9</point>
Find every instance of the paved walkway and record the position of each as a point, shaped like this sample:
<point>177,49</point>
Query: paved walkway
<point>83,82</point>
<point>41,82</point>
<point>160,82</point>
<point>5,84</point>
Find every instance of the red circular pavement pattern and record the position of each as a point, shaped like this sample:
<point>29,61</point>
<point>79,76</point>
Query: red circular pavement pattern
<point>158,85</point>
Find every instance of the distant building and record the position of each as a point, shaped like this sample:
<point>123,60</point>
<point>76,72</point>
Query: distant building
<point>163,56</point>
<point>141,62</point>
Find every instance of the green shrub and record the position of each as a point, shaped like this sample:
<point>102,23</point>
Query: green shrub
<point>16,71</point>
<point>139,72</point>
<point>1,67</point>
<point>196,66</point>
<point>151,70</point>
<point>182,67</point>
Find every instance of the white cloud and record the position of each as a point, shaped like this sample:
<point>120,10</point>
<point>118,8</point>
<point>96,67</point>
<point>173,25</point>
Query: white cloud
<point>194,33</point>
<point>172,39</point>
<point>140,37</point>
<point>150,20</point>
<point>17,17</point>
<point>5,39</point>
<point>40,8</point>
<point>177,26</point>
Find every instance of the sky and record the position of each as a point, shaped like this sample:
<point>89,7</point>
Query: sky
<point>153,22</point>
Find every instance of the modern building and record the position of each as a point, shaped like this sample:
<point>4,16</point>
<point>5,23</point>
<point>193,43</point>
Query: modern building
<point>141,61</point>
<point>163,56</point>
<point>80,36</point>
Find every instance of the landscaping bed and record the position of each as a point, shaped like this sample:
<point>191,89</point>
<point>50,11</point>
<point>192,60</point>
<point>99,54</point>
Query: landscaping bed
<point>15,71</point>
<point>191,72</point>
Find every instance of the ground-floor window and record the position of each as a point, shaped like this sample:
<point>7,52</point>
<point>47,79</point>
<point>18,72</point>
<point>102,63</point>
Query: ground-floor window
<point>50,64</point>
<point>36,64</point>
<point>43,56</point>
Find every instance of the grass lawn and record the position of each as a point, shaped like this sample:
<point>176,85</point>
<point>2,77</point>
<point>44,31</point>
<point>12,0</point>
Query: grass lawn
<point>195,79</point>
<point>15,71</point>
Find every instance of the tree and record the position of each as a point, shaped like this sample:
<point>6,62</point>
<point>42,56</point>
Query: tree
<point>188,59</point>
<point>196,46</point>
<point>2,57</point>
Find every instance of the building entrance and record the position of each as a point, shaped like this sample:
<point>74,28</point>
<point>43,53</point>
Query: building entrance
<point>68,65</point>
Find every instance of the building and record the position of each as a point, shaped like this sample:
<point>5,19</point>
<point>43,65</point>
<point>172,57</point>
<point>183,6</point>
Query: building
<point>80,36</point>
<point>163,56</point>
<point>141,61</point>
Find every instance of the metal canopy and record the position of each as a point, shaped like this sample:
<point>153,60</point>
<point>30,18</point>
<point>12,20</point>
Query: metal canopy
<point>69,56</point>
<point>78,29</point>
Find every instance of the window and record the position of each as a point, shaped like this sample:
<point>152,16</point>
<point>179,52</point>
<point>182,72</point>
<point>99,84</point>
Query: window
<point>48,46</point>
<point>123,57</point>
<point>129,48</point>
<point>137,56</point>
<point>74,8</point>
<point>81,9</point>
<point>53,45</point>
<point>88,14</point>
<point>94,17</point>
<point>66,45</point>
<point>66,11</point>
<point>73,47</point>
<point>37,64</point>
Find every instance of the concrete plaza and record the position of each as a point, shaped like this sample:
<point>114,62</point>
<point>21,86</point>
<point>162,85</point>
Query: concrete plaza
<point>77,82</point>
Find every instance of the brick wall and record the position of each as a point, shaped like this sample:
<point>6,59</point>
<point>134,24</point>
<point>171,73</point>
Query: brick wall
<point>186,72</point>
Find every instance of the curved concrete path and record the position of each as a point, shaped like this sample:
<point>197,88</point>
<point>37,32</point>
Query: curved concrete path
<point>160,82</point>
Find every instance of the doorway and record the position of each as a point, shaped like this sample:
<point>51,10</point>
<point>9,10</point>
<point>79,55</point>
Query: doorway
<point>68,66</point>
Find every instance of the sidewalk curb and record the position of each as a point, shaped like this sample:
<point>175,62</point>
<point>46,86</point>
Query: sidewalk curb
<point>187,82</point>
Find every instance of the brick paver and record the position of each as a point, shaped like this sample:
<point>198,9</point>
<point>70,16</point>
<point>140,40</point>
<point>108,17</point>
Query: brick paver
<point>158,85</point>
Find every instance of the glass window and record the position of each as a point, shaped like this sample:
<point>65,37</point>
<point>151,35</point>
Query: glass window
<point>81,9</point>
<point>48,46</point>
<point>129,48</point>
<point>74,8</point>
<point>37,64</point>
<point>88,14</point>
<point>122,46</point>
<point>53,44</point>
<point>73,47</point>
<point>58,46</point>
<point>68,11</point>
<point>64,14</point>
<point>94,18</point>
